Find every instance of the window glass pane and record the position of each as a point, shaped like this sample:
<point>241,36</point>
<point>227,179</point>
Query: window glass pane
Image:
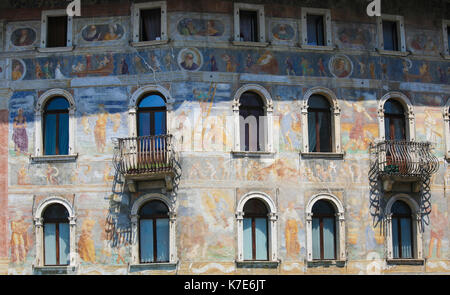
<point>64,243</point>
<point>56,31</point>
<point>251,99</point>
<point>393,107</point>
<point>318,102</point>
<point>151,101</point>
<point>160,123</point>
<point>55,212</point>
<point>316,238</point>
<point>57,103</point>
<point>162,239</point>
<point>328,238</point>
<point>49,243</point>
<point>153,209</point>
<point>322,207</point>
<point>312,132</point>
<point>324,131</point>
<point>395,240</point>
<point>400,207</point>
<point>144,123</point>
<point>248,21</point>
<point>247,235</point>
<point>150,24</point>
<point>390,37</point>
<point>63,133</point>
<point>255,207</point>
<point>405,224</point>
<point>315,30</point>
<point>50,134</point>
<point>261,238</point>
<point>146,240</point>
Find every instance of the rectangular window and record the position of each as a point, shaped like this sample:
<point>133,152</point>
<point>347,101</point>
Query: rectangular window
<point>328,238</point>
<point>405,224</point>
<point>315,30</point>
<point>162,234</point>
<point>56,243</point>
<point>64,245</point>
<point>261,238</point>
<point>390,35</point>
<point>57,31</point>
<point>150,24</point>
<point>248,24</point>
<point>50,243</point>
<point>56,134</point>
<point>146,240</point>
<point>448,38</point>
<point>316,238</point>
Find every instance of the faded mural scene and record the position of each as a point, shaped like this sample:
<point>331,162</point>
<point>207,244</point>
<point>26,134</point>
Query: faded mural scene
<point>159,137</point>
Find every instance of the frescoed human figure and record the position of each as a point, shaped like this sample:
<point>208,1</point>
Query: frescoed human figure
<point>19,239</point>
<point>100,129</point>
<point>20,137</point>
<point>86,243</point>
<point>438,226</point>
<point>188,62</point>
<point>291,231</point>
<point>357,136</point>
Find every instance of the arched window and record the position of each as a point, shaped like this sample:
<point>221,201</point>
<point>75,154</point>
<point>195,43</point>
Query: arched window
<point>323,231</point>
<point>251,111</point>
<point>56,127</point>
<point>56,235</point>
<point>402,230</point>
<point>152,115</point>
<point>255,231</point>
<point>394,120</point>
<point>154,232</point>
<point>319,124</point>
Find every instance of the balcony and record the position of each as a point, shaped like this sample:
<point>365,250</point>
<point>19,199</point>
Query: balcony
<point>402,160</point>
<point>145,158</point>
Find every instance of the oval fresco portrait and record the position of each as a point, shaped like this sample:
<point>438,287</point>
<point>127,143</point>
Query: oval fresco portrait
<point>18,69</point>
<point>190,59</point>
<point>283,32</point>
<point>102,32</point>
<point>200,27</point>
<point>340,66</point>
<point>23,37</point>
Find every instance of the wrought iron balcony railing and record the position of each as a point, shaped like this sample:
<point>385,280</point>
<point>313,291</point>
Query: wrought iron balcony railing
<point>144,156</point>
<point>403,158</point>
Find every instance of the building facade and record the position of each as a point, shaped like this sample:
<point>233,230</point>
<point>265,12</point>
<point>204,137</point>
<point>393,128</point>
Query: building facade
<point>224,137</point>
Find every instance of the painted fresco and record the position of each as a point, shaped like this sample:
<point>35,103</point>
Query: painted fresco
<point>197,26</point>
<point>23,35</point>
<point>2,69</point>
<point>190,59</point>
<point>424,42</point>
<point>200,27</point>
<point>283,32</point>
<point>18,69</point>
<point>341,66</point>
<point>102,32</point>
<point>21,118</point>
<point>361,36</point>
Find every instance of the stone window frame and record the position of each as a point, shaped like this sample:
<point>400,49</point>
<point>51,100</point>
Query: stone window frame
<point>272,218</point>
<point>38,219</point>
<point>268,110</point>
<point>445,26</point>
<point>341,250</point>
<point>399,19</point>
<point>446,115</point>
<point>335,123</point>
<point>326,13</point>
<point>134,216</point>
<point>134,102</point>
<point>417,232</point>
<point>38,123</point>
<point>44,20</point>
<point>136,23</point>
<point>259,8</point>
<point>409,115</point>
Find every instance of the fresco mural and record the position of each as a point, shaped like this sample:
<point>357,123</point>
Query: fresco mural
<point>361,36</point>
<point>200,27</point>
<point>190,59</point>
<point>2,69</point>
<point>283,31</point>
<point>102,32</point>
<point>18,69</point>
<point>425,42</point>
<point>341,66</point>
<point>23,35</point>
<point>20,130</point>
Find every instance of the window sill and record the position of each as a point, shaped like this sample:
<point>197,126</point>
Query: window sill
<point>153,266</point>
<point>255,154</point>
<point>257,264</point>
<point>326,263</point>
<point>405,261</point>
<point>53,158</point>
<point>316,47</point>
<point>149,43</point>
<point>55,270</point>
<point>251,44</point>
<point>323,155</point>
<point>55,49</point>
<point>445,55</point>
<point>393,53</point>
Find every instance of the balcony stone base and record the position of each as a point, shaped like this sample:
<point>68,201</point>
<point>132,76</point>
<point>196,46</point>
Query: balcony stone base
<point>149,182</point>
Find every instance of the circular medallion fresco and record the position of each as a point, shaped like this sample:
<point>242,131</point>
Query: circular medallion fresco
<point>190,59</point>
<point>340,66</point>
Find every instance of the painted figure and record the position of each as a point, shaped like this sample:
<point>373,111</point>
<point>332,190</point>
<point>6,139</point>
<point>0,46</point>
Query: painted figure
<point>111,34</point>
<point>86,243</point>
<point>51,174</point>
<point>291,231</point>
<point>20,136</point>
<point>438,227</point>
<point>24,38</point>
<point>19,239</point>
<point>322,71</point>
<point>123,67</point>
<point>17,72</point>
<point>100,129</point>
<point>231,65</point>
<point>289,66</point>
<point>357,136</point>
<point>188,62</point>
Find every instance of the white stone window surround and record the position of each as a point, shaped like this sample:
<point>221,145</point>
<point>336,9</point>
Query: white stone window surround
<point>445,26</point>
<point>134,102</point>
<point>44,21</point>
<point>446,115</point>
<point>340,226</point>
<point>328,36</point>
<point>141,201</point>
<point>417,232</point>
<point>400,31</point>
<point>38,123</point>
<point>272,217</point>
<point>261,24</point>
<point>268,111</point>
<point>409,115</point>
<point>136,23</point>
<point>39,232</point>
<point>335,122</point>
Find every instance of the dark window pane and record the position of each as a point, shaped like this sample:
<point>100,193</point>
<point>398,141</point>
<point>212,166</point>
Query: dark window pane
<point>448,37</point>
<point>57,103</point>
<point>152,115</point>
<point>248,23</point>
<point>319,124</point>
<point>160,123</point>
<point>394,120</point>
<point>150,24</point>
<point>63,134</point>
<point>50,134</point>
<point>154,209</point>
<point>251,109</point>
<point>401,208</point>
<point>390,35</point>
<point>152,100</point>
<point>55,212</point>
<point>57,31</point>
<point>323,208</point>
<point>318,102</point>
<point>255,207</point>
<point>315,30</point>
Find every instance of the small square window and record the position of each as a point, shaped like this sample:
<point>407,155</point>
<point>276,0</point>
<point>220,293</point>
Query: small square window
<point>56,31</point>
<point>150,24</point>
<point>248,24</point>
<point>315,30</point>
<point>446,38</point>
<point>390,35</point>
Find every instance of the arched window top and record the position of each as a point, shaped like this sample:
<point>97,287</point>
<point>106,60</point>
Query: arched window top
<point>57,103</point>
<point>251,99</point>
<point>323,208</point>
<point>153,208</point>
<point>317,101</point>
<point>56,212</point>
<point>393,107</point>
<point>152,100</point>
<point>255,207</point>
<point>401,208</point>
